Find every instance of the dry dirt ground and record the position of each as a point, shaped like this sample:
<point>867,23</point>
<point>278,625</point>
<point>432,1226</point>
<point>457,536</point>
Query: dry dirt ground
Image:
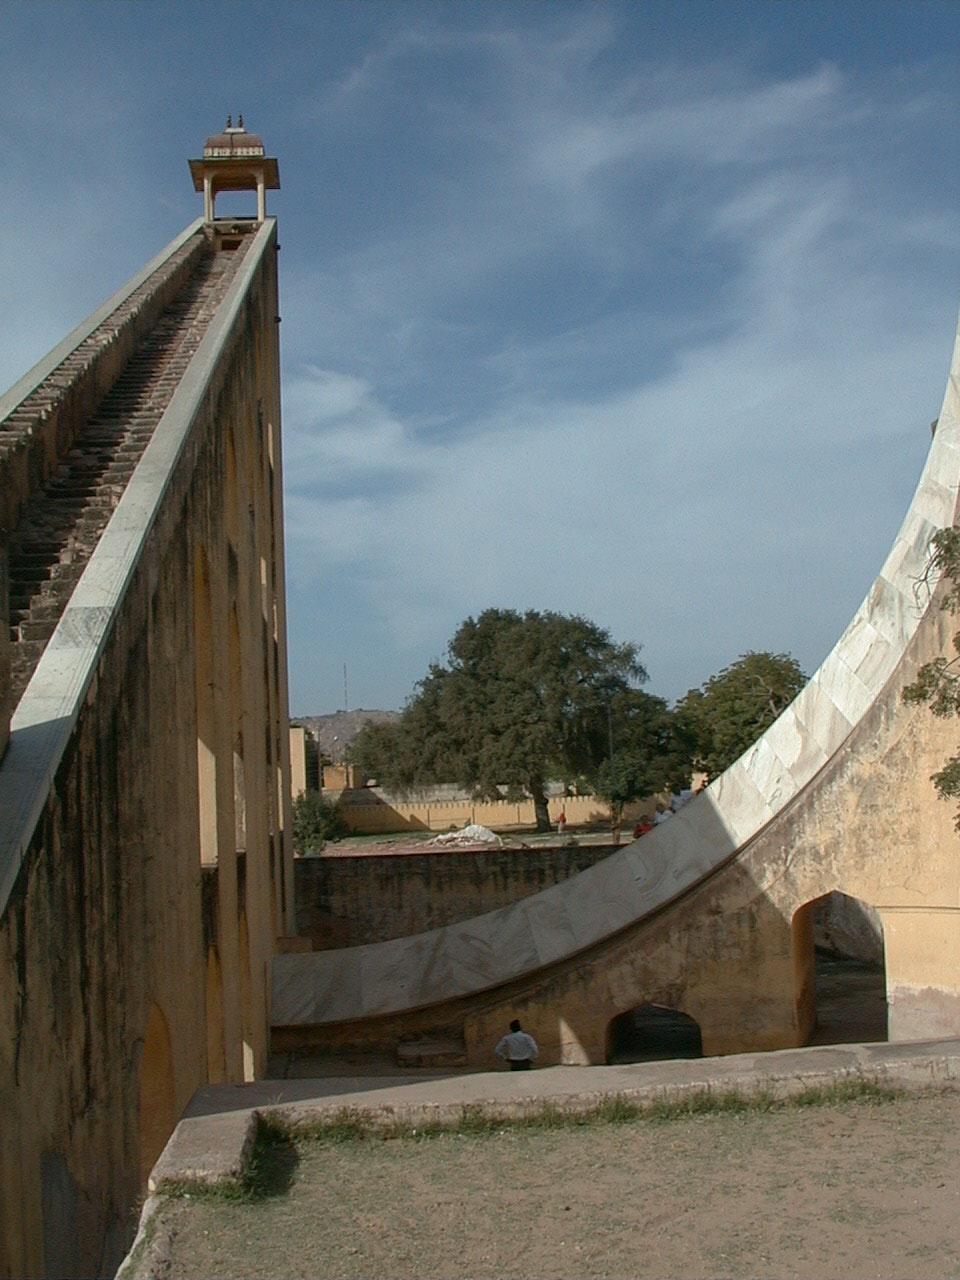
<point>849,1189</point>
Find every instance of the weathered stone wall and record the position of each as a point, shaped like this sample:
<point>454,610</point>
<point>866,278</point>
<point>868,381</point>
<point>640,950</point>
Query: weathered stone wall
<point>347,901</point>
<point>136,940</point>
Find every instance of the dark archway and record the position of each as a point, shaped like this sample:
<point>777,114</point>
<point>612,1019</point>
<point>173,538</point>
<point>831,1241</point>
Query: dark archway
<point>839,971</point>
<point>651,1033</point>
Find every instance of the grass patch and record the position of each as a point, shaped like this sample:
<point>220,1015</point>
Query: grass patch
<point>704,1103</point>
<point>849,1089</point>
<point>474,1121</point>
<point>275,1155</point>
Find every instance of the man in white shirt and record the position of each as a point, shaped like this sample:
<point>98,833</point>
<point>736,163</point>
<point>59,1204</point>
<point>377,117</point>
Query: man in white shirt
<point>517,1048</point>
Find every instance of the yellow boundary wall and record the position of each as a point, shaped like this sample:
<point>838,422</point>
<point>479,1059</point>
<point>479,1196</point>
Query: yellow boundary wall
<point>366,813</point>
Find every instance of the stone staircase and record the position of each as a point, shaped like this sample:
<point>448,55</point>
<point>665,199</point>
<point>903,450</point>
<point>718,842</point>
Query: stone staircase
<point>61,524</point>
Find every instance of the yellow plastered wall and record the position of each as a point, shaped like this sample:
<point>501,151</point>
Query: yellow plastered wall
<point>381,816</point>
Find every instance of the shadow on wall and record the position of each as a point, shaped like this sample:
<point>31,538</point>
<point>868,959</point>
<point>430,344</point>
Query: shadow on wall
<point>158,1112</point>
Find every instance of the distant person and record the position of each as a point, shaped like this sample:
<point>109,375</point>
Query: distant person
<point>662,814</point>
<point>642,826</point>
<point>562,823</point>
<point>517,1048</point>
<point>678,800</point>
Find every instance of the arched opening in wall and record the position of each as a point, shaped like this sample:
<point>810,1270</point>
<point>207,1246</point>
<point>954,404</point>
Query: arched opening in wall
<point>216,1050</point>
<point>239,765</point>
<point>650,1033</point>
<point>246,1003</point>
<point>158,1113</point>
<point>206,714</point>
<point>839,971</point>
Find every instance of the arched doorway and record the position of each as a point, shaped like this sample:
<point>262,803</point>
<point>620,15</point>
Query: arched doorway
<point>651,1032</point>
<point>158,1110</point>
<point>839,971</point>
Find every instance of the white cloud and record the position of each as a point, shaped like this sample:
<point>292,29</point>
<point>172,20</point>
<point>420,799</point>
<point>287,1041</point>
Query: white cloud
<point>692,506</point>
<point>653,337</point>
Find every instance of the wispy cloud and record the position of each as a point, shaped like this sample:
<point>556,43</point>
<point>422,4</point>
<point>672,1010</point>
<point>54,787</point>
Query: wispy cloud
<point>659,491</point>
<point>583,308</point>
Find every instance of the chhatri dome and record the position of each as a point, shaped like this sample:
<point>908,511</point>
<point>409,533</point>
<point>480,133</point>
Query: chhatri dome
<point>234,160</point>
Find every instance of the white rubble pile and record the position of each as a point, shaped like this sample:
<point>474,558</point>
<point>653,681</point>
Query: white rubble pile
<point>470,834</point>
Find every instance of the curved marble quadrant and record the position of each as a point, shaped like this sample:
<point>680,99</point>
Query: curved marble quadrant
<point>316,988</point>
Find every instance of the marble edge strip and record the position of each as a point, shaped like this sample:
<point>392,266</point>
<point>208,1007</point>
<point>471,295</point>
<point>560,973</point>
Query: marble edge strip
<point>46,714</point>
<point>322,987</point>
<point>26,385</point>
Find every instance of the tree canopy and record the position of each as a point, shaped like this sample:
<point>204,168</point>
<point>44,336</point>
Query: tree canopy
<point>650,752</point>
<point>727,714</point>
<point>521,699</point>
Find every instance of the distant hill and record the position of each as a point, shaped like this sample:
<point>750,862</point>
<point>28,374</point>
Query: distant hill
<point>334,732</point>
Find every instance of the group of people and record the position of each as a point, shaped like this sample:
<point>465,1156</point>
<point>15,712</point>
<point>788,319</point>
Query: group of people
<point>663,812</point>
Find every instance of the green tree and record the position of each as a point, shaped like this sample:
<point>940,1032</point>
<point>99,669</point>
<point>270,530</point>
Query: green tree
<point>649,753</point>
<point>938,682</point>
<point>521,699</point>
<point>727,714</point>
<point>315,822</point>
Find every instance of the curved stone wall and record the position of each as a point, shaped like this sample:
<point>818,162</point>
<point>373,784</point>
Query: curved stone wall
<point>388,979</point>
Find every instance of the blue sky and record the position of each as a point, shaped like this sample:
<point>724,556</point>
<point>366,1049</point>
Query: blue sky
<point>639,311</point>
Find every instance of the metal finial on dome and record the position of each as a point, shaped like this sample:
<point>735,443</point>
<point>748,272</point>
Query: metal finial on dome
<point>229,122</point>
<point>239,122</point>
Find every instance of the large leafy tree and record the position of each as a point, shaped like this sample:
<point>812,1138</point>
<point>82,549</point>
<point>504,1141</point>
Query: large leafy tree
<point>521,699</point>
<point>727,714</point>
<point>938,682</point>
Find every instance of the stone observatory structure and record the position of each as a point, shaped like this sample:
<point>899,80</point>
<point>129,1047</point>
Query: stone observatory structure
<point>711,915</point>
<point>145,861</point>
